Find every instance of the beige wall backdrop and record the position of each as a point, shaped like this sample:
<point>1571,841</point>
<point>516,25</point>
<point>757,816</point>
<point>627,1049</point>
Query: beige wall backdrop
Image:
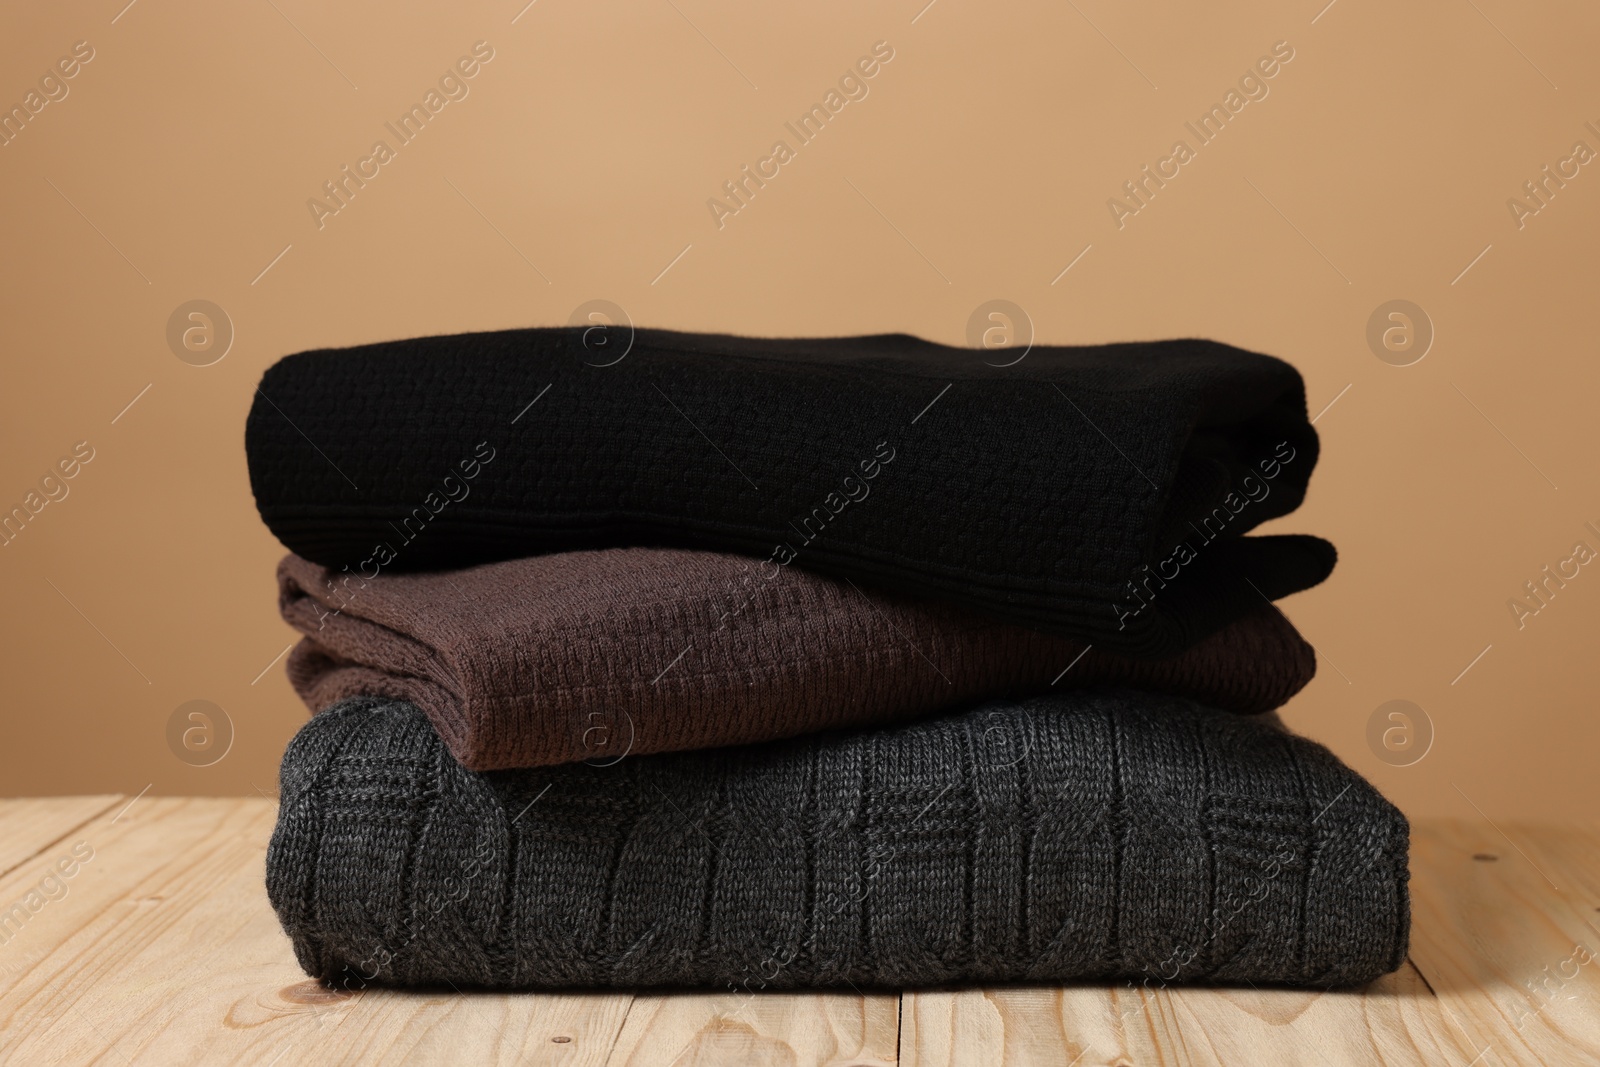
<point>1376,164</point>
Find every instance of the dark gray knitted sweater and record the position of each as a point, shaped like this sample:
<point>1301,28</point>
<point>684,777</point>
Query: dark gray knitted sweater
<point>1099,834</point>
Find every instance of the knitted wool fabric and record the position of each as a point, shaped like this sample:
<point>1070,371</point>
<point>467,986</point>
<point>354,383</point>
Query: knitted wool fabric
<point>597,655</point>
<point>1103,834</point>
<point>1095,492</point>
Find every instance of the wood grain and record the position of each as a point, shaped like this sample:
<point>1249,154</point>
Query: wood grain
<point>1392,1021</point>
<point>1504,931</point>
<point>166,951</point>
<point>759,1030</point>
<point>161,948</point>
<point>1496,976</point>
<point>29,826</point>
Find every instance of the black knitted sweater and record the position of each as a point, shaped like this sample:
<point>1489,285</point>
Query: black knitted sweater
<point>1097,492</point>
<point>1101,834</point>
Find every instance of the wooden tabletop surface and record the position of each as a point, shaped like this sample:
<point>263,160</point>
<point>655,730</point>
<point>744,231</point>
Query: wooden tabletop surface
<point>145,937</point>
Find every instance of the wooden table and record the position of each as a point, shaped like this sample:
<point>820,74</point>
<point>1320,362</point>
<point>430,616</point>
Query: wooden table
<point>159,947</point>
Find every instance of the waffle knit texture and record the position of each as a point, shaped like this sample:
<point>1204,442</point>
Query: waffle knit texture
<point>1095,492</point>
<point>598,655</point>
<point>1104,834</point>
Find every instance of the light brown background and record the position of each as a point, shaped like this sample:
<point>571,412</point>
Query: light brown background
<point>1378,167</point>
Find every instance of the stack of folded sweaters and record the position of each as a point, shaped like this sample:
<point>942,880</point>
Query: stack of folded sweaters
<point>805,663</point>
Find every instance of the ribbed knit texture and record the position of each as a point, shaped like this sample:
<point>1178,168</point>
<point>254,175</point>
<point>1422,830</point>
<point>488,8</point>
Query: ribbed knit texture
<point>1100,834</point>
<point>598,655</point>
<point>1033,492</point>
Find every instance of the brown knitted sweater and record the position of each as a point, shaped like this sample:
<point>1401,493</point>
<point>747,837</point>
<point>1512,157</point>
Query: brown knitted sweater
<point>593,655</point>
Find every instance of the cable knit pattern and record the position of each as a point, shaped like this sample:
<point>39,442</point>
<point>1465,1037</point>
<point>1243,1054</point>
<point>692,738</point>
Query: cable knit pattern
<point>1101,834</point>
<point>1033,492</point>
<point>597,655</point>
